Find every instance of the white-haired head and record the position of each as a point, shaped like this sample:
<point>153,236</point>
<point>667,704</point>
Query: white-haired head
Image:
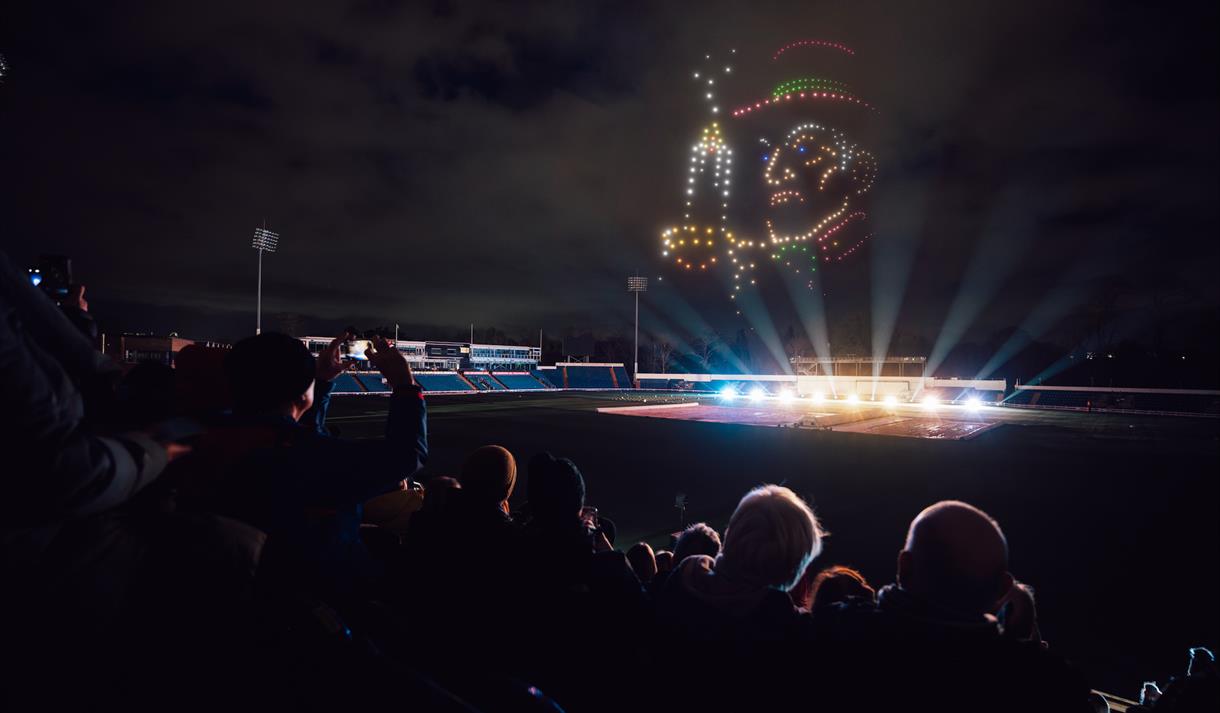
<point>771,539</point>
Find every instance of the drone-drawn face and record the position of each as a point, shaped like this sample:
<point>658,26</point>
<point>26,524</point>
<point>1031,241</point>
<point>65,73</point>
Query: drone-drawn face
<point>814,180</point>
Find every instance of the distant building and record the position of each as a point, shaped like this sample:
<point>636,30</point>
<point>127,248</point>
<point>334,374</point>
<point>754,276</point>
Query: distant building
<point>448,356</point>
<point>162,349</point>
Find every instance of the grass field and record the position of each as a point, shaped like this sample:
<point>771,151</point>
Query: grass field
<point>1112,518</point>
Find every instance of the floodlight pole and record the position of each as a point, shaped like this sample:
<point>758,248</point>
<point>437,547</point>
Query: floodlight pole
<point>264,241</point>
<point>258,308</point>
<point>637,285</point>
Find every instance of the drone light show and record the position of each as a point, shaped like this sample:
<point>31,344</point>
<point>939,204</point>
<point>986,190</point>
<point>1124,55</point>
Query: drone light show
<point>809,179</point>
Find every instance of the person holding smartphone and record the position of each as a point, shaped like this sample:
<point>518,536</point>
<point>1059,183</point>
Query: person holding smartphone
<point>305,488</point>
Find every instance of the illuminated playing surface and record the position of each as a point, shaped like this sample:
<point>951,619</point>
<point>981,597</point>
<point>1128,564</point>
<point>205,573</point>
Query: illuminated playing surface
<point>714,413</point>
<point>870,419</point>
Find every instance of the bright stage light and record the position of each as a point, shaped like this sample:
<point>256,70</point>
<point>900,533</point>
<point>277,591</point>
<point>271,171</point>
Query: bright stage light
<point>973,403</point>
<point>757,394</point>
<point>786,396</point>
<point>853,398</point>
<point>818,397</point>
<point>930,403</point>
<point>728,393</point>
<point>891,401</point>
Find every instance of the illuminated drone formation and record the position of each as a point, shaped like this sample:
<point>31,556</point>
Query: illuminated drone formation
<point>814,179</point>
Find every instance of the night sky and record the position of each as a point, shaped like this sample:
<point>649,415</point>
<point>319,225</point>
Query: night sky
<point>510,164</point>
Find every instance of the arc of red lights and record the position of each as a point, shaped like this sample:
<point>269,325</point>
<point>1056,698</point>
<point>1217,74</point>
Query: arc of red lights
<point>833,96</point>
<point>852,249</point>
<point>853,216</point>
<point>812,43</point>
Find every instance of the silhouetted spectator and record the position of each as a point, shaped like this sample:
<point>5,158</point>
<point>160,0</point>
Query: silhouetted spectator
<point>1198,690</point>
<point>585,606</point>
<point>608,528</point>
<point>932,636</point>
<point>466,524</point>
<point>737,603</point>
<point>740,596</point>
<point>1019,615</point>
<point>147,395</point>
<point>643,562</point>
<point>488,476</point>
<point>838,584</point>
<point>303,488</point>
<point>697,539</point>
<point>60,468</point>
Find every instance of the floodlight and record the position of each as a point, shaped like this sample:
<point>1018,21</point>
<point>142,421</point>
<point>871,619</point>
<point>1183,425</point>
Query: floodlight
<point>757,394</point>
<point>818,397</point>
<point>853,398</point>
<point>786,396</point>
<point>973,403</point>
<point>930,403</point>
<point>265,241</point>
<point>891,400</point>
<point>728,393</point>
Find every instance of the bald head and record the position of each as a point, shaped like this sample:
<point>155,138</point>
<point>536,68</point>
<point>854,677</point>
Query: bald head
<point>956,557</point>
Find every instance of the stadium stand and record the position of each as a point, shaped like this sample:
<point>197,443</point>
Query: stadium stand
<point>589,376</point>
<point>484,381</point>
<point>521,381</point>
<point>621,380</point>
<point>346,384</point>
<point>441,381</point>
<point>373,382</point>
<point>551,375</point>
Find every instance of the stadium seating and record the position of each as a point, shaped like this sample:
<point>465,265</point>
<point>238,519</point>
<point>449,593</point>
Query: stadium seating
<point>521,381</point>
<point>552,376</point>
<point>484,381</point>
<point>373,382</point>
<point>346,384</point>
<point>441,381</point>
<point>589,377</point>
<point>621,378</point>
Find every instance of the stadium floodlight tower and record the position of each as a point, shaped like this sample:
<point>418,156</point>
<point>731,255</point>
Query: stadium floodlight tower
<point>637,285</point>
<point>265,241</point>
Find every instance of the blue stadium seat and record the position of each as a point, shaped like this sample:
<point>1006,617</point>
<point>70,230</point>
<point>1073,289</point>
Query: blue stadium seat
<point>346,384</point>
<point>550,376</point>
<point>589,377</point>
<point>374,382</point>
<point>484,381</point>
<point>520,381</point>
<point>442,381</point>
<point>620,374</point>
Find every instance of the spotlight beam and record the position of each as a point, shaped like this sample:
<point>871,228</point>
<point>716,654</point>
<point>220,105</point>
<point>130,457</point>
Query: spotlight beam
<point>899,228</point>
<point>1000,248</point>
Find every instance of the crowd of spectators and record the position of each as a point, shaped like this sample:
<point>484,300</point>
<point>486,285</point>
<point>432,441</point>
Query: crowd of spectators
<point>195,537</point>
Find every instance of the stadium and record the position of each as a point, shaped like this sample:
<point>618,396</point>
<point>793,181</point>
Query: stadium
<point>910,401</point>
<point>853,444</point>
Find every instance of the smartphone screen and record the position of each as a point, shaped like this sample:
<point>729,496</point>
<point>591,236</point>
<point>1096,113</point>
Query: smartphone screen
<point>356,349</point>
